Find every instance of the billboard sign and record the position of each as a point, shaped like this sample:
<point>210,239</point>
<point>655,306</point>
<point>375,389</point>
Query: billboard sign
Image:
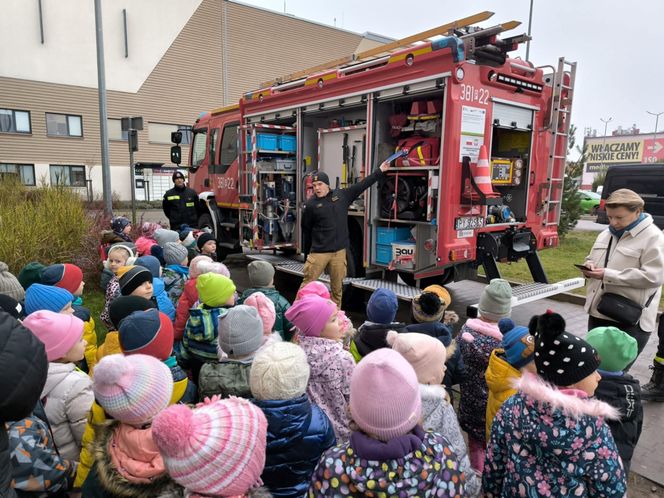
<point>605,151</point>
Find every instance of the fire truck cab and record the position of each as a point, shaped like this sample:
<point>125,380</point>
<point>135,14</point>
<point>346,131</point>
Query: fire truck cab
<point>485,137</point>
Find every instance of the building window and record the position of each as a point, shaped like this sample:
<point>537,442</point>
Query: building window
<point>68,176</point>
<point>115,130</point>
<point>26,172</point>
<point>64,125</point>
<point>12,121</point>
<point>160,133</point>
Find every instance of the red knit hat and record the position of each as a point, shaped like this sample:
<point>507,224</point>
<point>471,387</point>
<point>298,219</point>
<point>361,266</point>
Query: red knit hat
<point>66,276</point>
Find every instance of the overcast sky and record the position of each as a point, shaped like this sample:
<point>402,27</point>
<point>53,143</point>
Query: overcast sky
<point>617,44</point>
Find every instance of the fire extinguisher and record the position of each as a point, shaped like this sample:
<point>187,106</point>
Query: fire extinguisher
<point>308,186</point>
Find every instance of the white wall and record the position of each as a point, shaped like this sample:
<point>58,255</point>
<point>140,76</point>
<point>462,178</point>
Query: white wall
<point>68,55</point>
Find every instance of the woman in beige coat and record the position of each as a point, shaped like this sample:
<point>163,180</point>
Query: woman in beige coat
<point>635,267</point>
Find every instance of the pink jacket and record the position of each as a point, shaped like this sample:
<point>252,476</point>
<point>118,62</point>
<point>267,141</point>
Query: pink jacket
<point>187,301</point>
<point>329,382</point>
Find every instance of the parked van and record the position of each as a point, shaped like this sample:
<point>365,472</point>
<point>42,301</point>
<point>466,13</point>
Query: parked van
<point>645,180</point>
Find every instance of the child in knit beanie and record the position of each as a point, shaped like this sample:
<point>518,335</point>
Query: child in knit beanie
<point>214,450</point>
<point>381,312</point>
<point>477,339</point>
<point>330,365</point>
<point>146,240</point>
<point>427,356</point>
<point>506,365</point>
<point>132,390</point>
<point>176,272</point>
<point>320,289</point>
<point>119,233</point>
<point>70,277</point>
<point>189,295</point>
<point>119,256</point>
<point>240,336</point>
<point>617,350</point>
<point>150,332</point>
<point>261,276</point>
<point>135,281</point>
<point>298,431</point>
<point>388,453</point>
<point>553,419</point>
<point>45,297</point>
<point>207,245</point>
<point>266,311</point>
<point>430,316</point>
<point>121,308</point>
<point>9,284</point>
<point>164,303</point>
<point>68,391</point>
<point>199,341</point>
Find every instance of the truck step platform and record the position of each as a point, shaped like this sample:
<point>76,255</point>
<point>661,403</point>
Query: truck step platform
<point>527,293</point>
<point>275,259</point>
<point>403,292</point>
<point>298,269</point>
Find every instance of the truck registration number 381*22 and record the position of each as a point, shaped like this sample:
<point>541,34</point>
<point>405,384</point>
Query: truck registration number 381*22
<point>469,93</point>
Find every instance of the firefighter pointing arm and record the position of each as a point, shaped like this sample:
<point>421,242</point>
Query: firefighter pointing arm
<point>325,229</point>
<point>180,204</point>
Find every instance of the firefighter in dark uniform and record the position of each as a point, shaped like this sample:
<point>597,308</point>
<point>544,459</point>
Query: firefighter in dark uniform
<point>180,204</point>
<point>325,229</point>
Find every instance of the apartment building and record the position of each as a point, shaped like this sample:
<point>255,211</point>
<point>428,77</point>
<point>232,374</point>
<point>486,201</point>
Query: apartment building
<point>165,60</point>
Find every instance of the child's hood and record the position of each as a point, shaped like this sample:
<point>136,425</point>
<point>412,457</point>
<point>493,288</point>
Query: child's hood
<point>433,398</point>
<point>564,420</point>
<point>158,286</point>
<point>321,353</point>
<point>500,375</point>
<point>481,327</point>
<point>57,373</point>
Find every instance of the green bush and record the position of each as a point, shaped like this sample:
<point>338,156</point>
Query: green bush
<point>48,224</point>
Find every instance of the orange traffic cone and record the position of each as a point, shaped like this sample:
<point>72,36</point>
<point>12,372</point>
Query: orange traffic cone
<point>482,174</point>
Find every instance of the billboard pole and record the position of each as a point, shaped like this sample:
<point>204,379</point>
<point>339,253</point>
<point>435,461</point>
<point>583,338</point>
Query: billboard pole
<point>657,115</point>
<point>606,123</point>
<point>103,116</point>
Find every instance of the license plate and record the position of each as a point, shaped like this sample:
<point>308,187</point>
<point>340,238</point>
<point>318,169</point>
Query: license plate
<point>468,223</point>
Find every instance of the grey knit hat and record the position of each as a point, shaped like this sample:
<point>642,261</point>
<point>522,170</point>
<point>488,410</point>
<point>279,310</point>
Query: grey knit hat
<point>496,300</point>
<point>261,273</point>
<point>9,284</point>
<point>174,253</point>
<point>240,331</point>
<point>164,236</point>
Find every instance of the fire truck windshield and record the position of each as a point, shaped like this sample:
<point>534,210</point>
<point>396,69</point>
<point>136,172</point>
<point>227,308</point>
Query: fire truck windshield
<point>198,147</point>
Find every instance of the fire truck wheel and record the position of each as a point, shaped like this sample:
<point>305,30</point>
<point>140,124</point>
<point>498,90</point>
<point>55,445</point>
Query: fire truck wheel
<point>445,278</point>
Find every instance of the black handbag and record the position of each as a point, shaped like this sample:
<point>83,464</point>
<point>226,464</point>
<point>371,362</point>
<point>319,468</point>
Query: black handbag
<point>620,308</point>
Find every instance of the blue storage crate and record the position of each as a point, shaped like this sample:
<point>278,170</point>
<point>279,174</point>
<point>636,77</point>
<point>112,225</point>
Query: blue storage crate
<point>383,254</point>
<point>388,235</point>
<point>264,141</point>
<point>287,143</point>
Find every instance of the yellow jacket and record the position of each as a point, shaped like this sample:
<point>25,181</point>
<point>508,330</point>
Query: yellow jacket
<point>87,458</point>
<point>499,376</point>
<point>111,345</point>
<point>90,336</point>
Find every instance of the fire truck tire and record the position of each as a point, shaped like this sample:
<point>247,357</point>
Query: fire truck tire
<point>445,278</point>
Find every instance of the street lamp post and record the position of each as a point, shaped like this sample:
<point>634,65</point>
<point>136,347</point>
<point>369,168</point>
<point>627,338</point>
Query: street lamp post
<point>530,22</point>
<point>657,115</point>
<point>606,123</point>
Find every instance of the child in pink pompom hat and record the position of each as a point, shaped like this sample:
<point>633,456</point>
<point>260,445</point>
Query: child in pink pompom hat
<point>317,288</point>
<point>215,450</point>
<point>321,336</point>
<point>268,314</point>
<point>189,295</point>
<point>388,452</point>
<point>68,390</point>
<point>133,390</point>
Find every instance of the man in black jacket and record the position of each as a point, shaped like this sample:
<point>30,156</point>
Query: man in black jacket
<point>325,229</point>
<point>180,204</point>
<point>23,369</point>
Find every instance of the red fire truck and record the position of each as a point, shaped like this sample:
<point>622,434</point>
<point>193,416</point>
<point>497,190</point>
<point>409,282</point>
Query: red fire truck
<point>485,136</point>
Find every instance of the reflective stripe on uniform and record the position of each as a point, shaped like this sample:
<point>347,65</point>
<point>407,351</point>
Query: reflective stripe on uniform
<point>189,204</point>
<point>173,198</point>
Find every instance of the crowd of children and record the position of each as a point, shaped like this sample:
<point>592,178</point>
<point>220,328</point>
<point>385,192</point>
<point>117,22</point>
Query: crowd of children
<point>199,392</point>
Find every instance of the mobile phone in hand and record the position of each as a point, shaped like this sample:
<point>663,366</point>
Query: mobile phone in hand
<point>583,267</point>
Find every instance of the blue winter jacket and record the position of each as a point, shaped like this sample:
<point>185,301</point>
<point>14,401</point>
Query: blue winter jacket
<point>164,303</point>
<point>455,368</point>
<point>297,435</point>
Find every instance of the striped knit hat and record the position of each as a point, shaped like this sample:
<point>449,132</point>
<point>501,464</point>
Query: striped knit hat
<point>66,276</point>
<point>217,449</point>
<point>132,389</point>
